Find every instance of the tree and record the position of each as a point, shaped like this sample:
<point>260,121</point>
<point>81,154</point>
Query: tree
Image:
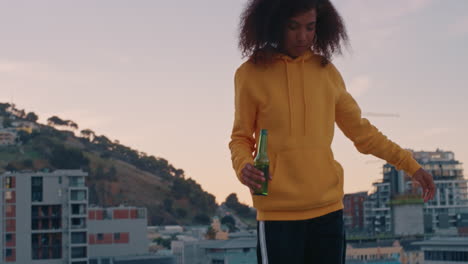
<point>4,107</point>
<point>163,242</point>
<point>179,173</point>
<point>180,188</point>
<point>232,201</point>
<point>168,204</point>
<point>68,158</point>
<point>99,173</point>
<point>102,140</point>
<point>202,219</point>
<point>210,233</point>
<point>88,134</point>
<point>31,116</point>
<point>230,222</point>
<point>228,219</point>
<point>72,124</point>
<point>28,163</point>
<point>181,212</point>
<point>112,174</point>
<point>56,121</point>
<point>241,209</point>
<point>10,167</point>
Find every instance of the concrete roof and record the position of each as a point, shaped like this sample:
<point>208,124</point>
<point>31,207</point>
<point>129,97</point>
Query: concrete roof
<point>444,241</point>
<point>230,243</point>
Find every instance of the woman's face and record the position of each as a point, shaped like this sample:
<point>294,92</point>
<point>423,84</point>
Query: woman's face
<point>299,33</point>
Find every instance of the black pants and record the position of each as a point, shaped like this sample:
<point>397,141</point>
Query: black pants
<point>318,240</point>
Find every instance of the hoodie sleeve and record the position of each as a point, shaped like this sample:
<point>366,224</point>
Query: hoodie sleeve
<point>242,143</point>
<point>367,138</point>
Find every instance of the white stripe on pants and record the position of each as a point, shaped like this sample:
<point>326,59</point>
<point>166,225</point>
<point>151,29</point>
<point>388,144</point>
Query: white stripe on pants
<point>263,247</point>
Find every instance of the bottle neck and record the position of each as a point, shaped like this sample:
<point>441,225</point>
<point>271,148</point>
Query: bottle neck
<point>262,145</point>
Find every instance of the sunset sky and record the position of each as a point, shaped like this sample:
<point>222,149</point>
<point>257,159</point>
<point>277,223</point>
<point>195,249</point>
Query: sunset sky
<point>158,76</point>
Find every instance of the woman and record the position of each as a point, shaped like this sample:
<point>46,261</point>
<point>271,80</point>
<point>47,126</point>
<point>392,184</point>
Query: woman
<point>290,87</point>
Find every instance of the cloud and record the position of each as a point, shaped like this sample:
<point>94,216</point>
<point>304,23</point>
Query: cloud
<point>359,85</point>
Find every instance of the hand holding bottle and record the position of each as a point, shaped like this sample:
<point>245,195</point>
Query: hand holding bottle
<point>252,177</point>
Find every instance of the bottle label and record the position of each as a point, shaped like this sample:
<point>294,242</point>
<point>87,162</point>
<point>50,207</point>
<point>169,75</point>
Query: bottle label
<point>263,190</point>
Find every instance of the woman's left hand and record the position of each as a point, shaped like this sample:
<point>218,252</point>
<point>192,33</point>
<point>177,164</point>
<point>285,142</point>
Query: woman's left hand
<point>427,183</point>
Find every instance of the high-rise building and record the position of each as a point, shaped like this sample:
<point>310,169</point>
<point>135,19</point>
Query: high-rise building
<point>354,211</point>
<point>45,219</point>
<point>446,211</point>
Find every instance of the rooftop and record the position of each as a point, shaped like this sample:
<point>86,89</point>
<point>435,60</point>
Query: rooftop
<point>229,244</point>
<point>444,241</point>
<point>381,244</point>
<point>47,173</point>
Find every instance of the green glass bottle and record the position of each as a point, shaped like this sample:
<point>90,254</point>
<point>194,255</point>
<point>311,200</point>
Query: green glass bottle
<point>261,162</point>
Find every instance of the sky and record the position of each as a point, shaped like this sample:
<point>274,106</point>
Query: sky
<point>158,76</point>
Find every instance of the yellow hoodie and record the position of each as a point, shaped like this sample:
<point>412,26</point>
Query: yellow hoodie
<point>299,101</point>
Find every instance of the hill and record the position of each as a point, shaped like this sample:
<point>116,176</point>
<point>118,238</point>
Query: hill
<point>118,174</point>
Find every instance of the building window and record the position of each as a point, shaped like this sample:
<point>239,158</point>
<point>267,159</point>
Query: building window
<point>46,246</point>
<point>9,252</point>
<point>100,236</point>
<point>141,213</point>
<point>116,236</point>
<point>77,181</point>
<point>461,256</point>
<point>10,211</point>
<point>9,182</point>
<point>107,214</point>
<point>9,237</point>
<point>78,195</point>
<point>10,225</point>
<point>60,179</point>
<point>93,261</point>
<point>105,261</point>
<point>36,189</point>
<point>56,210</point>
<point>78,238</point>
<point>46,217</point>
<point>78,209</point>
<point>78,252</point>
<point>44,211</point>
<point>217,261</point>
<point>9,196</point>
<point>78,223</point>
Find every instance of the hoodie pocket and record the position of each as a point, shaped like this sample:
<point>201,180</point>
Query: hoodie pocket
<point>302,179</point>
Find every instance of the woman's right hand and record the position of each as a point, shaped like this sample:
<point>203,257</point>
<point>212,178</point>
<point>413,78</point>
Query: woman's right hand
<point>252,177</point>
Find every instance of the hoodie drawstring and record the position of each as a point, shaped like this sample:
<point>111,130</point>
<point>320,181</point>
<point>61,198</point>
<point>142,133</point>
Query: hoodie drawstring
<point>304,98</point>
<point>289,98</point>
<point>304,90</point>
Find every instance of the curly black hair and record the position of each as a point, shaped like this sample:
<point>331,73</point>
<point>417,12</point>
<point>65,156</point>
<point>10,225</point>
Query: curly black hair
<point>263,24</point>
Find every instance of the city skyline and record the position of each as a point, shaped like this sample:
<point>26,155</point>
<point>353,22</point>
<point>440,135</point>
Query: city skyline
<point>165,71</point>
